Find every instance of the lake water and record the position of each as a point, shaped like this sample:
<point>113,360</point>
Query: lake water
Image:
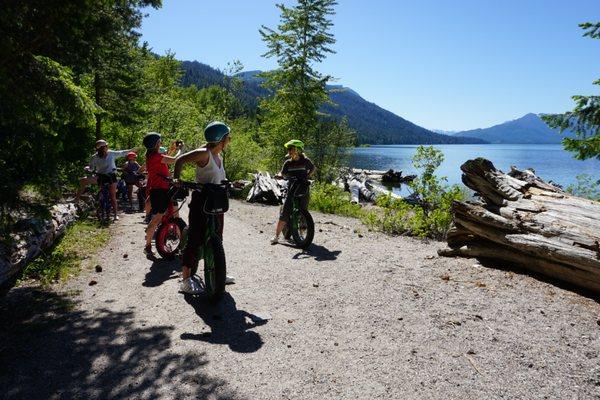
<point>550,161</point>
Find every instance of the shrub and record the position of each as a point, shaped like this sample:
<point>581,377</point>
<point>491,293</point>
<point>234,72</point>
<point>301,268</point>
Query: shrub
<point>330,199</point>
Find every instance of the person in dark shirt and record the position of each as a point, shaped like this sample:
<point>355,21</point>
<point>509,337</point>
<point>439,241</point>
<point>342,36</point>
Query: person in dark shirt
<point>297,166</point>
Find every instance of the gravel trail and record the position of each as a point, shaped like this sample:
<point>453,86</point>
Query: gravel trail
<point>360,315</point>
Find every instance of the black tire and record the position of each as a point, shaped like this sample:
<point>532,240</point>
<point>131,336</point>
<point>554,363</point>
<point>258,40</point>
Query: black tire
<point>215,285</point>
<point>169,238</point>
<point>303,236</point>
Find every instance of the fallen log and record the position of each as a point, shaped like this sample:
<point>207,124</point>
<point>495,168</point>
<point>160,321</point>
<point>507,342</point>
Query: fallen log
<point>525,221</point>
<point>265,190</point>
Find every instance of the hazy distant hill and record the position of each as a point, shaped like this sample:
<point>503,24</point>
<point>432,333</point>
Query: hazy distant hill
<point>372,123</point>
<point>528,129</point>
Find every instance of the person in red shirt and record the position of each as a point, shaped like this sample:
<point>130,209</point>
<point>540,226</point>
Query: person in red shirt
<point>158,182</point>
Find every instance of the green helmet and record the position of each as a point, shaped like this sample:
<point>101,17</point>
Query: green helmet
<point>299,144</point>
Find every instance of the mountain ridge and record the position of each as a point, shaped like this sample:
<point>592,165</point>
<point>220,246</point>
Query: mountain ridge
<point>528,129</point>
<point>373,124</point>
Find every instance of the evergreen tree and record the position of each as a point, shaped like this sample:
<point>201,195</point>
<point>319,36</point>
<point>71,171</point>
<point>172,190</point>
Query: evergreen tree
<point>584,120</point>
<point>301,40</point>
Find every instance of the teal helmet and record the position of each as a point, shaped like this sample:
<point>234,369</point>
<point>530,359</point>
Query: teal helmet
<point>216,131</point>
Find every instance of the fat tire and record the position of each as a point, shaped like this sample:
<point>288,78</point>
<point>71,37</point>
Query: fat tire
<point>215,244</point>
<point>310,230</point>
<point>160,248</point>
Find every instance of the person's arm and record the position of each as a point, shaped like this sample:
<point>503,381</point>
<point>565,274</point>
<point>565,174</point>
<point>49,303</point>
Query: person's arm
<point>168,159</point>
<point>198,156</point>
<point>142,169</point>
<point>284,170</point>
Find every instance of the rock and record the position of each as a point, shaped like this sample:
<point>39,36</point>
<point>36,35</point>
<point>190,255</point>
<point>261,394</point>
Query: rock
<point>98,268</point>
<point>93,282</point>
<point>315,285</point>
<point>125,255</point>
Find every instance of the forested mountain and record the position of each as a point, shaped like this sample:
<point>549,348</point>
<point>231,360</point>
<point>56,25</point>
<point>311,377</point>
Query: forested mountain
<point>372,123</point>
<point>528,129</point>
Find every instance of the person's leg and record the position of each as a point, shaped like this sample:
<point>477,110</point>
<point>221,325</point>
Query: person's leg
<point>113,197</point>
<point>130,194</point>
<point>152,228</point>
<point>283,217</point>
<point>197,226</point>
<point>83,184</point>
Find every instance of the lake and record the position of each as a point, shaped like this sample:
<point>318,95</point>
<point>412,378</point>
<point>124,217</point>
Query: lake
<point>550,161</point>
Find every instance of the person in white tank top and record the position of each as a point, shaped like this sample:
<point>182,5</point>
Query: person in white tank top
<point>209,169</point>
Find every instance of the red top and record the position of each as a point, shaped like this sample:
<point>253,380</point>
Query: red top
<point>157,172</point>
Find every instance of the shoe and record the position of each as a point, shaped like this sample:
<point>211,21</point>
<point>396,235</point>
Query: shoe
<point>275,240</point>
<point>190,286</point>
<point>147,219</point>
<point>116,218</point>
<point>229,280</point>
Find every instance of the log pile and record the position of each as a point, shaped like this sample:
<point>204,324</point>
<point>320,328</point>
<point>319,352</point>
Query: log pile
<point>527,222</point>
<point>265,189</point>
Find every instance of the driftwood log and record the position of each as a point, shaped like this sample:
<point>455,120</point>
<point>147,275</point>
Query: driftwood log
<point>265,189</point>
<point>529,223</point>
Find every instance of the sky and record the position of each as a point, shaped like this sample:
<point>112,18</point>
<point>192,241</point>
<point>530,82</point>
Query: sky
<point>442,64</point>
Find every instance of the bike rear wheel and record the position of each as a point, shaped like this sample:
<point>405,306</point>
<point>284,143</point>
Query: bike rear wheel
<point>215,269</point>
<point>169,238</point>
<point>304,231</point>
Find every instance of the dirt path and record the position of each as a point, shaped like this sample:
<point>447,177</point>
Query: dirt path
<point>359,316</point>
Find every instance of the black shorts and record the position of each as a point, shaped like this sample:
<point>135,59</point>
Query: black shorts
<point>159,200</point>
<point>107,178</point>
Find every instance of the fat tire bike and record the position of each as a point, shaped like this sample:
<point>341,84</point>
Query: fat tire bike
<point>300,227</point>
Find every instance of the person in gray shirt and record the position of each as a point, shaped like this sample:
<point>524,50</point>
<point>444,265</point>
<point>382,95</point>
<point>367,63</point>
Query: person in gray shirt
<point>103,165</point>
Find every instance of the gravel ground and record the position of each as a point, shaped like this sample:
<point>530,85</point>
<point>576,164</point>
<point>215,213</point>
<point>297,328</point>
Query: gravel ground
<point>360,315</point>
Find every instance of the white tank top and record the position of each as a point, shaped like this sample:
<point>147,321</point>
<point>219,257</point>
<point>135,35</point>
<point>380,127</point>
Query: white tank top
<point>211,172</point>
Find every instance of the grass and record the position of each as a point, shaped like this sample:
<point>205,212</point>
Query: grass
<point>81,241</point>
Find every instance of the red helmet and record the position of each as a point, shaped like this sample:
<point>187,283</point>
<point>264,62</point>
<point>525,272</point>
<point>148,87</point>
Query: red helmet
<point>131,155</point>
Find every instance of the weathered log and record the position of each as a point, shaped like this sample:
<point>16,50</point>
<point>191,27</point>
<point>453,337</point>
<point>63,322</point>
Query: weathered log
<point>529,223</point>
<point>265,190</point>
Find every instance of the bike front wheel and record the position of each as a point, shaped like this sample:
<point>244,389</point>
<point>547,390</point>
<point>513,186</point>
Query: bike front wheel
<point>304,231</point>
<point>215,269</point>
<point>169,238</point>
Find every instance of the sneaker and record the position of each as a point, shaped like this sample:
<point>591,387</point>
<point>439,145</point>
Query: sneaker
<point>275,240</point>
<point>116,218</point>
<point>190,286</point>
<point>229,280</point>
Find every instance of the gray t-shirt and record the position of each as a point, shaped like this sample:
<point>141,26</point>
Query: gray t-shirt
<point>107,165</point>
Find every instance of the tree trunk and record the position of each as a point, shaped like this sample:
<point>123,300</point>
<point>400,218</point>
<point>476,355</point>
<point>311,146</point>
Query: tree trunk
<point>529,223</point>
<point>98,99</point>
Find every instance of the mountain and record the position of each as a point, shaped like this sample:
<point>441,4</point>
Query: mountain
<point>528,129</point>
<point>373,124</point>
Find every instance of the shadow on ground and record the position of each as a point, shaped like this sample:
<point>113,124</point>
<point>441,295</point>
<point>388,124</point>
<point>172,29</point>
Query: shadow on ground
<point>50,349</point>
<point>161,271</point>
<point>508,267</point>
<point>319,253</point>
<point>228,325</point>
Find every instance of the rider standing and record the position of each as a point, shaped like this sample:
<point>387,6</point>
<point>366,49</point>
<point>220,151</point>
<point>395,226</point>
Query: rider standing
<point>209,169</point>
<point>158,183</point>
<point>299,166</point>
<point>131,175</point>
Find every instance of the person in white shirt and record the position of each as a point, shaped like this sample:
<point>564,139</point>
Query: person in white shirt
<point>103,165</point>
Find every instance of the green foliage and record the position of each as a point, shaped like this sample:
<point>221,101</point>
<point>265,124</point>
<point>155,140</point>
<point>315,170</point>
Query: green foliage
<point>586,187</point>
<point>584,120</point>
<point>431,217</point>
<point>243,155</point>
<point>80,241</point>
<point>330,199</point>
<point>67,66</point>
<point>301,40</point>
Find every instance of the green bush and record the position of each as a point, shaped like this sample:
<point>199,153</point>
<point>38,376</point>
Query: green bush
<point>585,187</point>
<point>330,199</point>
<point>432,216</point>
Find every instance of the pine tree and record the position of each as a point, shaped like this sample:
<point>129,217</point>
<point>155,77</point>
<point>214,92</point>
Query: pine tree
<point>301,40</point>
<point>584,120</point>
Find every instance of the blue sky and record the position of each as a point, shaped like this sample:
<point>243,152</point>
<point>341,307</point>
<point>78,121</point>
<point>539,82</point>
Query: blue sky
<point>442,64</point>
